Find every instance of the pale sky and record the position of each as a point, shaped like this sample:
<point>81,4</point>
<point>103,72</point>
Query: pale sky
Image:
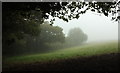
<point>97,27</point>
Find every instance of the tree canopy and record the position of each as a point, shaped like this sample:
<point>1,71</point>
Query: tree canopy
<point>48,34</point>
<point>51,34</point>
<point>15,27</point>
<point>63,10</point>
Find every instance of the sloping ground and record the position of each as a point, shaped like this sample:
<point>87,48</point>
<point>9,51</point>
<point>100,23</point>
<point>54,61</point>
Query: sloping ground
<point>104,63</point>
<point>90,57</point>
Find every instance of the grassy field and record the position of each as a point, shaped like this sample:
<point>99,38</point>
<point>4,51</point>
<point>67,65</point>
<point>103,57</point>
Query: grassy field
<point>58,56</point>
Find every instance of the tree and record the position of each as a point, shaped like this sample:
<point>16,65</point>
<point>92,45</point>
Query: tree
<point>51,34</point>
<point>64,10</point>
<point>15,27</point>
<point>76,36</point>
<point>48,35</point>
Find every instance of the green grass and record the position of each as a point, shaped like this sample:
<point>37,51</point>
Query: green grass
<point>79,51</point>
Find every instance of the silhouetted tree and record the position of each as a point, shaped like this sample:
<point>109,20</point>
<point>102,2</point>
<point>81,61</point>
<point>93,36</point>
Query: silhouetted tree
<point>63,10</point>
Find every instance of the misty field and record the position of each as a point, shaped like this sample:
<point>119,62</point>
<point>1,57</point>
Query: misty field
<point>93,56</point>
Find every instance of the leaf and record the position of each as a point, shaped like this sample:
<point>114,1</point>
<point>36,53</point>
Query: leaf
<point>77,16</point>
<point>93,10</point>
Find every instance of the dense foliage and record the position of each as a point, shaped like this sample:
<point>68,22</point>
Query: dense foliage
<point>48,35</point>
<point>30,44</point>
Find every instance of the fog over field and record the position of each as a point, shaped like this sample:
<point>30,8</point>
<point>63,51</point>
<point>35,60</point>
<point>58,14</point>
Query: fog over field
<point>39,36</point>
<point>97,26</point>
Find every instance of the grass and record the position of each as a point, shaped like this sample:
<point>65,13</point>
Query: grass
<point>74,52</point>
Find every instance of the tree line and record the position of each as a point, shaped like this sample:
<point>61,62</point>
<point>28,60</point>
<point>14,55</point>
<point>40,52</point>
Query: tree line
<point>23,21</point>
<point>49,38</point>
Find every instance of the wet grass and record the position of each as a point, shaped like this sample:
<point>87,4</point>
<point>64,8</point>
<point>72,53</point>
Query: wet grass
<point>97,56</point>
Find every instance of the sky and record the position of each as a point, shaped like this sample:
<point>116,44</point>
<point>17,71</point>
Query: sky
<point>97,26</point>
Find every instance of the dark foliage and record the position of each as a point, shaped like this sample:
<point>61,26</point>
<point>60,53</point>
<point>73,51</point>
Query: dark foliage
<point>60,10</point>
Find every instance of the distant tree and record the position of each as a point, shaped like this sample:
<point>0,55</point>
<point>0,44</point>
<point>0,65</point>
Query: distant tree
<point>76,36</point>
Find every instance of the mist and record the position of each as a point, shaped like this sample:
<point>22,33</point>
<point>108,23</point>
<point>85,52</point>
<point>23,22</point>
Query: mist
<point>33,41</point>
<point>97,26</point>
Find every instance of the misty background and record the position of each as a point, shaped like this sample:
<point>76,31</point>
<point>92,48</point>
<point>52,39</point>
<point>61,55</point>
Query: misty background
<point>97,26</point>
